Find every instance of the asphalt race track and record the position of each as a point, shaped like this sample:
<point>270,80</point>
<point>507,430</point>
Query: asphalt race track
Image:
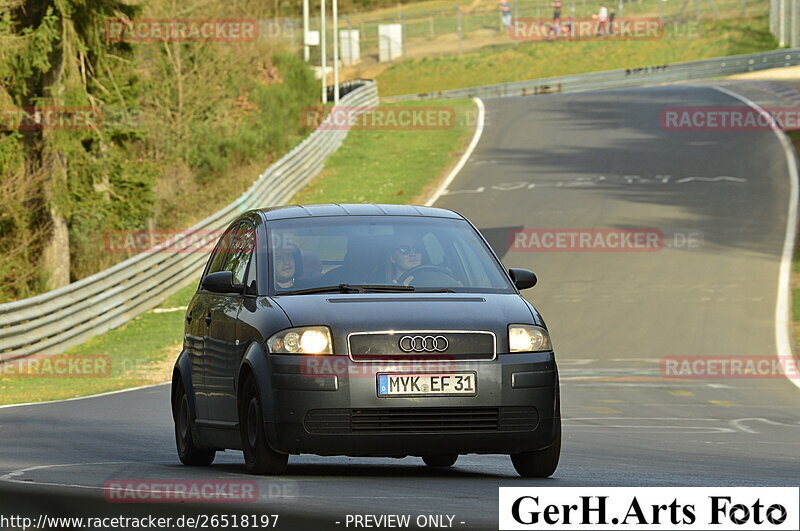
<point>581,161</point>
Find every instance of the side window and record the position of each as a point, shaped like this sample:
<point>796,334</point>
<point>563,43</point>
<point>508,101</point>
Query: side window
<point>476,274</point>
<point>220,254</point>
<point>242,249</point>
<point>251,276</point>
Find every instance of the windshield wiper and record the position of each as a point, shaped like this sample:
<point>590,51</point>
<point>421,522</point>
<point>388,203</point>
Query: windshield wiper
<point>350,288</point>
<point>435,290</point>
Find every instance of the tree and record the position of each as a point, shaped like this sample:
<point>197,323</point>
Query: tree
<point>51,54</point>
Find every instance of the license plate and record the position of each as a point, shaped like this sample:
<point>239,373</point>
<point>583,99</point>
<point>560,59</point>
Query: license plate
<point>434,384</point>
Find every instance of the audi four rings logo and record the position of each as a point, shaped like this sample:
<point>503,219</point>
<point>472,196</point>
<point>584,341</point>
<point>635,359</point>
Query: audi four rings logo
<point>423,343</point>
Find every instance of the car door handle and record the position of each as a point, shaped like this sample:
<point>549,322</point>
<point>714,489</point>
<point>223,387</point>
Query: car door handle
<point>208,320</point>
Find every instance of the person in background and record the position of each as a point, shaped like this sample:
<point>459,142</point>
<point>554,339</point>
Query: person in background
<point>556,5</point>
<point>566,28</point>
<point>611,16</point>
<point>602,21</point>
<point>505,13</point>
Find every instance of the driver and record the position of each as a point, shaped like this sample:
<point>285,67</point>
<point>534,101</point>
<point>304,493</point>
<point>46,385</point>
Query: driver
<point>406,254</point>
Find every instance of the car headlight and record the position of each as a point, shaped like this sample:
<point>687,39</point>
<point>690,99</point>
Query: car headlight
<point>303,340</point>
<point>528,338</point>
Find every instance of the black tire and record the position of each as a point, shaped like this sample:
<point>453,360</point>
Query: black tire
<point>539,463</point>
<point>259,458</point>
<point>440,460</point>
<point>188,452</point>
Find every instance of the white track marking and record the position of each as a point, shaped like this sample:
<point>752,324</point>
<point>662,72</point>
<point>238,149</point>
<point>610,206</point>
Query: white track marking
<point>740,424</point>
<point>782,305</point>
<point>84,397</point>
<point>686,419</point>
<point>465,157</point>
<point>15,473</point>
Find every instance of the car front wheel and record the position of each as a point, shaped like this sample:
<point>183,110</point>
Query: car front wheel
<point>539,463</point>
<point>259,458</point>
<point>188,452</point>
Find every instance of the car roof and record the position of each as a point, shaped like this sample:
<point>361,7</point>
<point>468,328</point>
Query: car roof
<point>354,209</point>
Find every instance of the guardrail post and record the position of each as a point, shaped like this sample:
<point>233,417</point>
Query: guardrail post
<point>403,32</point>
<point>773,13</point>
<point>458,16</point>
<point>782,23</point>
<point>306,47</point>
<point>350,40</point>
<point>323,51</point>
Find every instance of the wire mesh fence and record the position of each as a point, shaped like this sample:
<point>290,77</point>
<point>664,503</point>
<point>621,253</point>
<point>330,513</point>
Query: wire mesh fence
<point>449,27</point>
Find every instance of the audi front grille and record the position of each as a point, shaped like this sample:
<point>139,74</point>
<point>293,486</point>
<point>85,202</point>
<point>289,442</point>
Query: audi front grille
<point>422,345</point>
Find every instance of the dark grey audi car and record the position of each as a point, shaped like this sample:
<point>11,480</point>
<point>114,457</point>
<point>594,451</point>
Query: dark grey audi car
<point>364,330</point>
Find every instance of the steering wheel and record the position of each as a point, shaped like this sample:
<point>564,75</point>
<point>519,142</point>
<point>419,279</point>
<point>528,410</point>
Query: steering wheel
<point>402,278</point>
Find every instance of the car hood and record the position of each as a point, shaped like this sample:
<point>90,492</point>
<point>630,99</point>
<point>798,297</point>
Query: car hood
<point>369,312</point>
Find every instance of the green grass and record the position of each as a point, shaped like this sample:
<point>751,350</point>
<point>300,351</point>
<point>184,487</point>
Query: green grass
<point>796,299</point>
<point>531,60</point>
<point>141,352</point>
<point>391,166</point>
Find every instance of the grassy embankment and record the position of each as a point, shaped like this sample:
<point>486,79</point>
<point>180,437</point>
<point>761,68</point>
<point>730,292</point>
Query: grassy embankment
<point>532,60</point>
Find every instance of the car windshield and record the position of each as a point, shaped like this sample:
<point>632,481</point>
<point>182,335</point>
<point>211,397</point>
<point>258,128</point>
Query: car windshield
<point>380,253</point>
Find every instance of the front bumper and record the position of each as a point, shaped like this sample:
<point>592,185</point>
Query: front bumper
<point>330,406</point>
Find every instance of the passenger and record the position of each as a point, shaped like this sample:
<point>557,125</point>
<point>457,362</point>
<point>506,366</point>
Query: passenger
<point>286,260</point>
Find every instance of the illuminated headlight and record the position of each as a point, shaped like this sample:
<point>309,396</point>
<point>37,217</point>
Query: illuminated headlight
<point>528,338</point>
<point>304,340</point>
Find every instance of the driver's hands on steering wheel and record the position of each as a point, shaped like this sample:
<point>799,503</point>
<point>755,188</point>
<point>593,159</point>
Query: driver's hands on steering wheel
<point>408,276</point>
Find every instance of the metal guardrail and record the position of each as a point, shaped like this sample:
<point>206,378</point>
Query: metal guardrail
<point>54,321</point>
<point>627,77</point>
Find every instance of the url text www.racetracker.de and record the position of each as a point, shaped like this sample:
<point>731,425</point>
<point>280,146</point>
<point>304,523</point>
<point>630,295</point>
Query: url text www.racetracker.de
<point>195,521</point>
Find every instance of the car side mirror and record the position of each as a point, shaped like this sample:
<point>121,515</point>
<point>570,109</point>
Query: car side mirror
<point>523,279</point>
<point>221,282</point>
